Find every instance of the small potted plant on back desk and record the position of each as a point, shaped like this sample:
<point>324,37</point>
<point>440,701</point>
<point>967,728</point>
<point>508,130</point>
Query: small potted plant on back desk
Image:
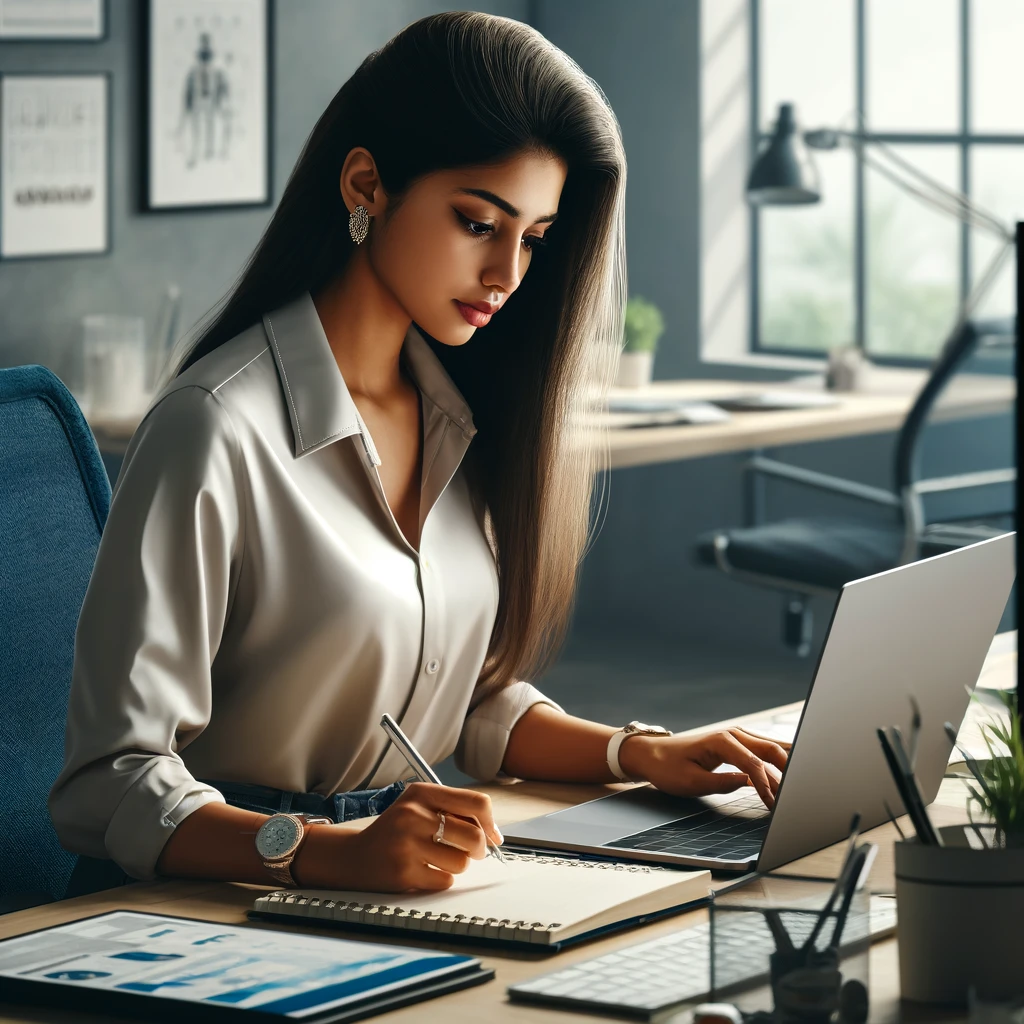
<point>644,326</point>
<point>960,902</point>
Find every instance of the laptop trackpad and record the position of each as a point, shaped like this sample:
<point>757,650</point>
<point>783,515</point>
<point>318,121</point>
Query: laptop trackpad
<point>608,818</point>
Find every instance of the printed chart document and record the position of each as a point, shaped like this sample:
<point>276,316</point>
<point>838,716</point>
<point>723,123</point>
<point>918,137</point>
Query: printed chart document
<point>99,961</point>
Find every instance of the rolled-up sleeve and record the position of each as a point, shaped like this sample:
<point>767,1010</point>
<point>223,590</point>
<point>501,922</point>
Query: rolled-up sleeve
<point>149,628</point>
<point>484,737</point>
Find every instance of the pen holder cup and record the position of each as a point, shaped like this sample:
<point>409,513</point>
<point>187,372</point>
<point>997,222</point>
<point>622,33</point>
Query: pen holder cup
<point>960,909</point>
<point>753,967</point>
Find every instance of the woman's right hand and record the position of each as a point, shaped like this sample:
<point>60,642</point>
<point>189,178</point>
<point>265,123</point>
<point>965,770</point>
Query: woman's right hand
<point>397,851</point>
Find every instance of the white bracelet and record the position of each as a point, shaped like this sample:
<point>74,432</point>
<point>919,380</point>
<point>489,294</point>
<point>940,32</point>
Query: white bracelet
<point>613,755</point>
<point>615,741</point>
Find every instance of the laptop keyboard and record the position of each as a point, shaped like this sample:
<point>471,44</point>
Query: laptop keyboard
<point>733,831</point>
<point>640,980</point>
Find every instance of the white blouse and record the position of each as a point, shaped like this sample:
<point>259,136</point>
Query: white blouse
<point>255,607</point>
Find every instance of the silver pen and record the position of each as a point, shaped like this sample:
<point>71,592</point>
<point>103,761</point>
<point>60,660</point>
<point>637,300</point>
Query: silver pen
<point>423,770</point>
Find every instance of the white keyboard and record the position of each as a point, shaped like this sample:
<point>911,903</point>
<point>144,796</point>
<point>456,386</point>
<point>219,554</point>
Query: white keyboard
<point>651,976</point>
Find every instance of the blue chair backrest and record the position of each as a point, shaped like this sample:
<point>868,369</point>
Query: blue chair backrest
<point>54,499</point>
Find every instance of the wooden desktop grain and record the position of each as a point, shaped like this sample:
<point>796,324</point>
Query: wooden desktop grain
<point>228,903</point>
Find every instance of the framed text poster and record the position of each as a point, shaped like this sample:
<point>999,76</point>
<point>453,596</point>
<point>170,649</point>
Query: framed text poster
<point>207,106</point>
<point>52,20</point>
<point>54,165</point>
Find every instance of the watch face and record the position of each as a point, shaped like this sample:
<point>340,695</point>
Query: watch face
<point>277,837</point>
<point>649,730</point>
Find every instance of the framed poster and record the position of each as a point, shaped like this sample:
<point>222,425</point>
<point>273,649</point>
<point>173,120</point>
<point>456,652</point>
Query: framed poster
<point>51,20</point>
<point>207,108</point>
<point>54,165</point>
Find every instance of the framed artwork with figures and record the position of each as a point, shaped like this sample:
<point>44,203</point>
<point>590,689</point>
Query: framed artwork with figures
<point>208,104</point>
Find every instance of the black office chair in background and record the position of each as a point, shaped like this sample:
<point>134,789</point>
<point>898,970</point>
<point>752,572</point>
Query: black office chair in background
<point>805,557</point>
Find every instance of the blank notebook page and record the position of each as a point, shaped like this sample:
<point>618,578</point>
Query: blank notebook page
<point>551,891</point>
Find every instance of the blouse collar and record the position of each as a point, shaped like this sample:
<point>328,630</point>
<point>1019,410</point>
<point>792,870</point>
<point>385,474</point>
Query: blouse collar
<point>319,403</point>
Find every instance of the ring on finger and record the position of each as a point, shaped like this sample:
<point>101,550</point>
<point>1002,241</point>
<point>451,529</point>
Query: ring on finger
<point>439,835</point>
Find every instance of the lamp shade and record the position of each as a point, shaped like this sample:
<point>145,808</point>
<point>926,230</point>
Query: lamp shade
<point>784,173</point>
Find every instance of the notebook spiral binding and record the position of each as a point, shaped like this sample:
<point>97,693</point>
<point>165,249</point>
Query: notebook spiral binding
<point>390,916</point>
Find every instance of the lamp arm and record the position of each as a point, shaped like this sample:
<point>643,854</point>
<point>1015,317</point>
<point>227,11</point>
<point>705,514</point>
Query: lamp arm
<point>986,280</point>
<point>945,199</point>
<point>967,205</point>
<point>951,205</point>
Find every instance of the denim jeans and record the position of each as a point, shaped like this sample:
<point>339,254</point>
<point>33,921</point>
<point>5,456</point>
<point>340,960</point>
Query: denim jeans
<point>359,803</point>
<point>92,874</point>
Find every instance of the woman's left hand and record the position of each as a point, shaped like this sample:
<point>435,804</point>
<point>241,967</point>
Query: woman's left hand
<point>684,765</point>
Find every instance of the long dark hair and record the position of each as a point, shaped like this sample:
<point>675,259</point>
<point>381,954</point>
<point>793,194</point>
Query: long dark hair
<point>461,89</point>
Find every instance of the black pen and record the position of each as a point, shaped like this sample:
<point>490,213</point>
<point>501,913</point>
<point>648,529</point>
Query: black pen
<point>892,818</point>
<point>837,886</point>
<point>783,943</point>
<point>858,868</point>
<point>903,759</point>
<point>912,805</point>
<point>915,732</point>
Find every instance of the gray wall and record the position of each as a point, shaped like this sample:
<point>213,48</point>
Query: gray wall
<point>317,45</point>
<point>638,580</point>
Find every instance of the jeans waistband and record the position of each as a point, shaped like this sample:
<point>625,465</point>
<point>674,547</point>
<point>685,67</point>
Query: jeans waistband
<point>360,803</point>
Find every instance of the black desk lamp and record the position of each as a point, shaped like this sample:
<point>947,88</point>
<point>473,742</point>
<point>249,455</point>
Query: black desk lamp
<point>784,174</point>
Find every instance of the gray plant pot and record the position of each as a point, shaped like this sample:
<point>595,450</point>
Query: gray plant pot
<point>960,920</point>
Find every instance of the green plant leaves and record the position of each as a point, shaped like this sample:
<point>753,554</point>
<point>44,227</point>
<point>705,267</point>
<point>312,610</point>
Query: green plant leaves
<point>644,325</point>
<point>1002,795</point>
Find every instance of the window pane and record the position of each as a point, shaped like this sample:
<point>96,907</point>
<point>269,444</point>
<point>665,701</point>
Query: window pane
<point>997,184</point>
<point>997,71</point>
<point>806,265</point>
<point>913,65</point>
<point>806,58</point>
<point>912,258</point>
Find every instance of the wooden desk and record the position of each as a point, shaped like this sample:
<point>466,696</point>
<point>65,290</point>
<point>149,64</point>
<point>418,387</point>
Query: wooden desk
<point>229,902</point>
<point>883,406</point>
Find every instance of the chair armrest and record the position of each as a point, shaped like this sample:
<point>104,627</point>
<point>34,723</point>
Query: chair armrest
<point>823,482</point>
<point>963,481</point>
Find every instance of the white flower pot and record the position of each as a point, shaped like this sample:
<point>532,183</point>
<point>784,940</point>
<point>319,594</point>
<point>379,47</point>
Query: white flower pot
<point>959,919</point>
<point>634,369</point>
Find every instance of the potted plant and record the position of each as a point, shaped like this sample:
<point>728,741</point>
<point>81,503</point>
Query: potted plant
<point>999,793</point>
<point>644,326</point>
<point>960,903</point>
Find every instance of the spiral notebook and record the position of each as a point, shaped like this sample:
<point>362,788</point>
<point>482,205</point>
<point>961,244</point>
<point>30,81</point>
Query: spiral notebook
<point>535,901</point>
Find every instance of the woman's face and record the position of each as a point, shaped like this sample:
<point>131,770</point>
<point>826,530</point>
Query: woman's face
<point>450,243</point>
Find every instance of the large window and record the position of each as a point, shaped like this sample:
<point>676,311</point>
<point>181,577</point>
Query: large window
<point>941,82</point>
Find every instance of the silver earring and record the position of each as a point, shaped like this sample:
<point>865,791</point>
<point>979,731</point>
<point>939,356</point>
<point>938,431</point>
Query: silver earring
<point>358,224</point>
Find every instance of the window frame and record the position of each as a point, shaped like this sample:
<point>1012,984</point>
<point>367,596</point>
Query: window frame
<point>964,140</point>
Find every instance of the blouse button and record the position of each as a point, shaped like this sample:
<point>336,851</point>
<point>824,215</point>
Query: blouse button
<point>433,665</point>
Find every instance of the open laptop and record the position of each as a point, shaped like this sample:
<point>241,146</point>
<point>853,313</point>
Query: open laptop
<point>922,629</point>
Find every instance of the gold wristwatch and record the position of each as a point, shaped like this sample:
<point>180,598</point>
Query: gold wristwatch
<point>278,841</point>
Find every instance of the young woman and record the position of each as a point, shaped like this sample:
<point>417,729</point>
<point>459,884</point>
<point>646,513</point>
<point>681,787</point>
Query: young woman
<point>345,502</point>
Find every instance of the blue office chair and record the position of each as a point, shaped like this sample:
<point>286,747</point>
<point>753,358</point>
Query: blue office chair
<point>54,498</point>
<point>804,557</point>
